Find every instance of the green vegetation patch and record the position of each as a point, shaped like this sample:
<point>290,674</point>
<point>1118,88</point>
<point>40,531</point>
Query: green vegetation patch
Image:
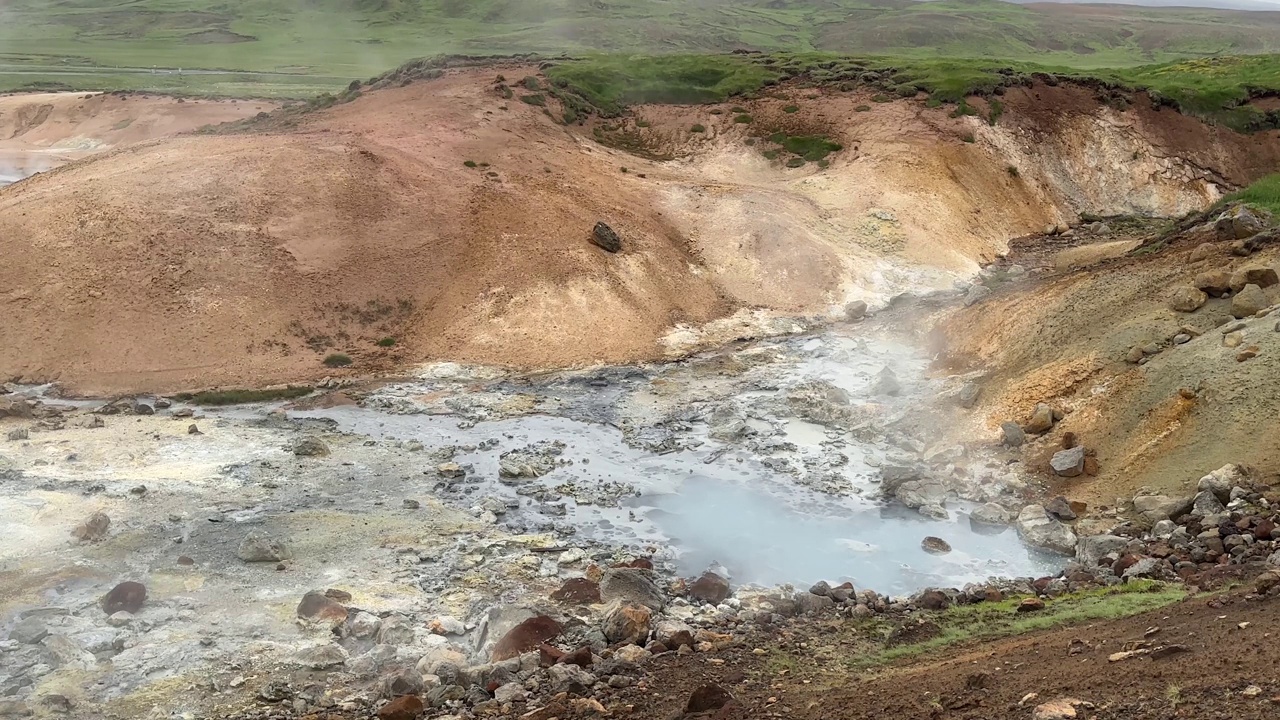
<point>240,397</point>
<point>612,82</point>
<point>537,99</point>
<point>743,119</point>
<point>698,129</point>
<point>1264,193</point>
<point>810,147</point>
<point>986,621</point>
<point>336,360</point>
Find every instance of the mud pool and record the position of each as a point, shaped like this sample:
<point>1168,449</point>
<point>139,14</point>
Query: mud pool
<point>713,471</point>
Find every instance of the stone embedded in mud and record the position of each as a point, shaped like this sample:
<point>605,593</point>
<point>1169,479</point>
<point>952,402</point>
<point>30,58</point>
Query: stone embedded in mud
<point>405,707</point>
<point>127,596</point>
<point>968,395</point>
<point>19,434</point>
<point>310,447</point>
<point>1214,283</point>
<point>707,698</point>
<point>1068,463</point>
<point>886,383</point>
<point>935,545</point>
<point>710,588</point>
<point>320,657</point>
<point>450,470</point>
<point>318,608</point>
<point>604,236</point>
<point>624,623</point>
<point>257,547</point>
<point>1038,529</point>
<point>976,294</point>
<point>1041,419</point>
<point>1060,508</point>
<point>93,529</point>
<point>525,637</point>
<point>1187,299</point>
<point>1160,507</point>
<point>1263,277</point>
<point>1248,353</point>
<point>632,585</point>
<point>1248,301</point>
<point>855,310</point>
<point>990,514</point>
<point>1011,434</point>
<point>1202,251</point>
<point>570,679</point>
<point>579,591</point>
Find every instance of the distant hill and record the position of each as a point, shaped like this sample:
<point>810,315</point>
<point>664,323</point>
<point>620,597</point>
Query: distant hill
<point>1255,5</point>
<point>42,40</point>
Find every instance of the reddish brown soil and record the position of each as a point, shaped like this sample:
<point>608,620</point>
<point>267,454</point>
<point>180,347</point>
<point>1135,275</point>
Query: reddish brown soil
<point>990,679</point>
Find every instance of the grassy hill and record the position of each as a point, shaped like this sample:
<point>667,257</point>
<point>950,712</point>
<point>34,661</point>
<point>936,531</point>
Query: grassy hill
<point>296,47</point>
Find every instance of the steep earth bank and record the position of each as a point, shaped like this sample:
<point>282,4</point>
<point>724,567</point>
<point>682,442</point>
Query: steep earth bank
<point>455,221</point>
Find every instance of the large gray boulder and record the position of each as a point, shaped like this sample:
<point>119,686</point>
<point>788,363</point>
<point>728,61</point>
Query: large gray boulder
<point>633,586</point>
<point>1155,508</point>
<point>1187,299</point>
<point>1090,550</point>
<point>1206,503</point>
<point>1248,301</point>
<point>1039,529</point>
<point>1068,463</point>
<point>990,514</point>
<point>1221,481</point>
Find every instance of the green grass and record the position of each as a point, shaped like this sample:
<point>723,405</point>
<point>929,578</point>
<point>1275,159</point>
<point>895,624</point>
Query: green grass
<point>1264,193</point>
<point>809,147</point>
<point>985,621</point>
<point>238,397</point>
<point>386,342</point>
<point>336,360</point>
<point>743,119</point>
<point>698,129</point>
<point>612,82</point>
<point>286,48</point>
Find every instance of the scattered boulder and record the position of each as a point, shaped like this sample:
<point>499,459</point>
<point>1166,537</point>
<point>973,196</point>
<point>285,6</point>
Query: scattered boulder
<point>405,707</point>
<point>624,623</point>
<point>1248,301</point>
<point>1093,548</point>
<point>1030,604</point>
<point>990,514</point>
<point>570,679</point>
<point>1187,299</point>
<point>1206,503</point>
<point>1041,419</point>
<point>29,631</point>
<point>886,383</point>
<point>673,633</point>
<point>707,698</point>
<point>320,657</point>
<point>976,294</point>
<point>710,588</point>
<point>633,586</point>
<point>1214,283</point>
<point>1221,481</point>
<point>968,395</point>
<point>525,637</point>
<point>1060,709</point>
<point>935,545</point>
<point>1038,529</point>
<point>127,596</point>
<point>1060,508</point>
<point>603,236</point>
<point>855,310</point>
<point>1068,463</point>
<point>633,654</point>
<point>1263,277</point>
<point>17,434</point>
<point>1012,434</point>
<point>1202,251</point>
<point>316,607</point>
<point>578,591</point>
<point>93,529</point>
<point>310,447</point>
<point>933,600</point>
<point>260,548</point>
<point>1240,223</point>
<point>1155,508</point>
<point>808,603</point>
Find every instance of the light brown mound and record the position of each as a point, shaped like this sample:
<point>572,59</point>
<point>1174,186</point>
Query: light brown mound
<point>246,259</point>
